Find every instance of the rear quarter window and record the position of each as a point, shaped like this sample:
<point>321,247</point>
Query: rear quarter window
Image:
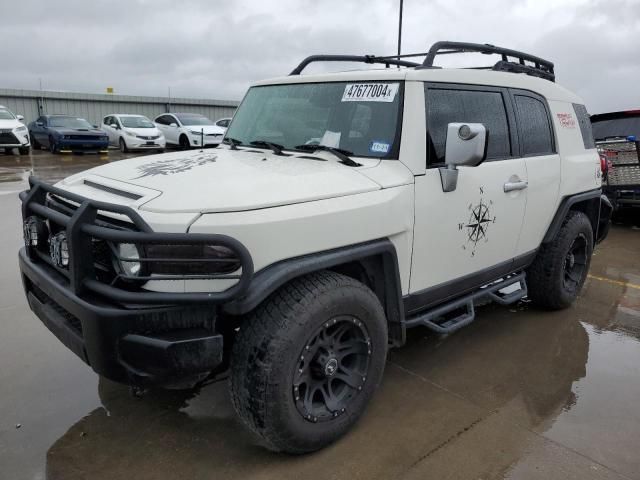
<point>585,125</point>
<point>534,126</point>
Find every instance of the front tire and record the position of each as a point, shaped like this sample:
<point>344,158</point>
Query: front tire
<point>306,362</point>
<point>53,146</point>
<point>23,150</point>
<point>123,145</point>
<point>560,269</point>
<point>34,143</point>
<point>184,142</point>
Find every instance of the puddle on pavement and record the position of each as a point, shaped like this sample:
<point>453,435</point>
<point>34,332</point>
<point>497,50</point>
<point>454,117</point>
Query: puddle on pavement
<point>572,376</point>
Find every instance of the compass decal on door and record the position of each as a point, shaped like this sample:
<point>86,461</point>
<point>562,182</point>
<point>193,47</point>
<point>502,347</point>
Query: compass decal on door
<point>476,227</point>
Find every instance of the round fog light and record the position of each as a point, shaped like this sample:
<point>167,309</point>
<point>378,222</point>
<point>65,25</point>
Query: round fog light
<point>128,253</point>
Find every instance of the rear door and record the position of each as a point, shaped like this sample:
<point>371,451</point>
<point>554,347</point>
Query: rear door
<point>467,237</point>
<point>538,148</point>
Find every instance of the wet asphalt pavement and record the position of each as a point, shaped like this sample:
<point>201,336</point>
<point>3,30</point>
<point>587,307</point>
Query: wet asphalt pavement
<point>518,394</point>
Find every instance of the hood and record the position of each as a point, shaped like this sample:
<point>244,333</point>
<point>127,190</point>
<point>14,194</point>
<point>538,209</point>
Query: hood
<point>206,128</point>
<point>79,131</point>
<point>10,124</point>
<point>144,132</point>
<point>224,180</point>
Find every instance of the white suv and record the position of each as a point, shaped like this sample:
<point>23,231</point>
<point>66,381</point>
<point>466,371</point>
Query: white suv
<point>13,133</point>
<point>344,209</point>
<point>189,130</point>
<point>133,132</point>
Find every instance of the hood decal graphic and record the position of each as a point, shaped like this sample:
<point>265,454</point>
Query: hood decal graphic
<point>174,165</point>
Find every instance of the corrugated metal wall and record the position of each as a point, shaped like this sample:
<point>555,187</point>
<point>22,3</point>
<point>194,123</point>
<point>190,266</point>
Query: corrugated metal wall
<point>93,107</point>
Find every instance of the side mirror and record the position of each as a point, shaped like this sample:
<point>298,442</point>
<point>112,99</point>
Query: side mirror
<point>39,124</point>
<point>174,125</point>
<point>466,146</point>
<point>20,117</point>
<point>96,126</point>
<point>113,125</point>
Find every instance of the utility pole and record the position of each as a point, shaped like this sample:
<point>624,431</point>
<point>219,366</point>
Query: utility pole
<point>400,31</point>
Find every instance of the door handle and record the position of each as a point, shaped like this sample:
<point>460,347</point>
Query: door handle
<point>513,186</point>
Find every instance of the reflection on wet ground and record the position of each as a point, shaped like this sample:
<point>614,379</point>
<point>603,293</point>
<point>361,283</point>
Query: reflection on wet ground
<point>518,394</point>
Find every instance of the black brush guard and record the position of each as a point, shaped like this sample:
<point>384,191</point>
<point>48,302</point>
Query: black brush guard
<point>131,336</point>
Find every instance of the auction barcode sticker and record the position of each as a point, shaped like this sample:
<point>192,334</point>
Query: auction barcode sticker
<point>370,92</point>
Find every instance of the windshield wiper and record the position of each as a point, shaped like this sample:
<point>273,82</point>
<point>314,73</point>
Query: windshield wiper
<point>274,147</point>
<point>233,142</point>
<point>342,154</point>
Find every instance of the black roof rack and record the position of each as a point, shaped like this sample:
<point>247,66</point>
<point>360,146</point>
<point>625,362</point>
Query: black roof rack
<point>536,66</point>
<point>352,58</point>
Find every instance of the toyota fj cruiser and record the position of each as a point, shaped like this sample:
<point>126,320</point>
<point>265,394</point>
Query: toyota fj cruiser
<point>342,210</point>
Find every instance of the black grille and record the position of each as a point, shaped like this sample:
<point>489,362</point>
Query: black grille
<point>83,137</point>
<point>142,137</point>
<point>8,137</point>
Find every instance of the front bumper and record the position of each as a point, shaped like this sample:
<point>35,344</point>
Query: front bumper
<point>136,346</point>
<point>209,140</point>
<point>144,144</point>
<point>12,139</point>
<point>79,145</point>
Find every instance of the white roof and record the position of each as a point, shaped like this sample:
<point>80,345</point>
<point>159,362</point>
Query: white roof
<point>546,88</point>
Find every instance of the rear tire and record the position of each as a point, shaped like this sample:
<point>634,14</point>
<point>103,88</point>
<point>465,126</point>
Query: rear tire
<point>123,145</point>
<point>560,269</point>
<point>306,362</point>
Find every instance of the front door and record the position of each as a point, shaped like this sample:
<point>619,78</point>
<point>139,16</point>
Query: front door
<point>462,238</point>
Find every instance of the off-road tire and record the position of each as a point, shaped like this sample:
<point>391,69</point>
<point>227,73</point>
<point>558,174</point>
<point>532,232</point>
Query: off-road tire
<point>545,277</point>
<point>266,354</point>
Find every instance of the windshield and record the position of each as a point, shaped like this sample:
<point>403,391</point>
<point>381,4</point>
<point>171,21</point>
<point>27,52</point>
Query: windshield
<point>6,115</point>
<point>136,122</point>
<point>361,118</point>
<point>69,122</point>
<point>193,119</point>
<point>617,127</point>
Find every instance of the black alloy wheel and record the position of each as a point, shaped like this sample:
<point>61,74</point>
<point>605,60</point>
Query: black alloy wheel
<point>575,264</point>
<point>332,369</point>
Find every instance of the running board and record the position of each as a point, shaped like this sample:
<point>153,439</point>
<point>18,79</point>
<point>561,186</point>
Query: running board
<point>458,313</point>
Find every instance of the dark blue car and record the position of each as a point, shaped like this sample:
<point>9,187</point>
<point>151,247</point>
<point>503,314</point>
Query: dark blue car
<point>66,133</point>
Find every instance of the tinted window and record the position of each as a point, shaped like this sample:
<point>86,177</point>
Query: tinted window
<point>163,120</point>
<point>193,119</point>
<point>534,127</point>
<point>470,106</point>
<point>623,125</point>
<point>585,125</point>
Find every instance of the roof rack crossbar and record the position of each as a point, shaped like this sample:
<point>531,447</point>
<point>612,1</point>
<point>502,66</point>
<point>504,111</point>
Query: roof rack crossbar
<point>371,59</point>
<point>540,68</point>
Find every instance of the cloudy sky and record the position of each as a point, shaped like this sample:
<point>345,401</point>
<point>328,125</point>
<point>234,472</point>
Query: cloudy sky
<point>215,49</point>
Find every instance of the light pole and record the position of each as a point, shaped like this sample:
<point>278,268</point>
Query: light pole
<point>400,30</point>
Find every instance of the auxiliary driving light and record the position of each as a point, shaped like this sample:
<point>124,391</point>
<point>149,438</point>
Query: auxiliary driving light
<point>35,231</point>
<point>59,249</point>
<point>128,252</point>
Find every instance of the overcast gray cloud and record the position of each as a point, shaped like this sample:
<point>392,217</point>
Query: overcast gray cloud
<point>215,49</point>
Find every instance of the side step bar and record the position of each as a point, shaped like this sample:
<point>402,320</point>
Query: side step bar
<point>460,312</point>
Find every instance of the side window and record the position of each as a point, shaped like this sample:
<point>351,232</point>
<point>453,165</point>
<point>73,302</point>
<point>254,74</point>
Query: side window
<point>171,119</point>
<point>108,121</point>
<point>585,125</point>
<point>446,106</point>
<point>534,127</point>
<point>162,120</point>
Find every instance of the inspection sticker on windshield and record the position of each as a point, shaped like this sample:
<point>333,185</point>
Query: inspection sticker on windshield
<point>370,92</point>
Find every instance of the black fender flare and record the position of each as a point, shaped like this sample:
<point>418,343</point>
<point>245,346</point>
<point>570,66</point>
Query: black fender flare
<point>567,204</point>
<point>269,279</point>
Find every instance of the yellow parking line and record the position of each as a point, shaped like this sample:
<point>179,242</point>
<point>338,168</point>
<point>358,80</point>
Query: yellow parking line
<point>615,282</point>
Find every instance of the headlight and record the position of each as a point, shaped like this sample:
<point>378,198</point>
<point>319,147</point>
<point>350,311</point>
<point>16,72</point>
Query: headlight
<point>21,129</point>
<point>197,133</point>
<point>128,254</point>
<point>131,134</point>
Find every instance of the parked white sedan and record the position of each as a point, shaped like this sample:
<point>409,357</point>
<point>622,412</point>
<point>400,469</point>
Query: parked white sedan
<point>189,130</point>
<point>133,132</point>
